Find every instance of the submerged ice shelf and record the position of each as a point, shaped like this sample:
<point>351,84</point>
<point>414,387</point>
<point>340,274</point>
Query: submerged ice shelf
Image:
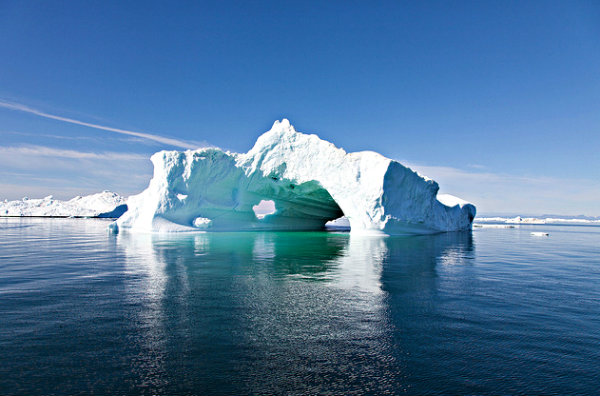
<point>308,180</point>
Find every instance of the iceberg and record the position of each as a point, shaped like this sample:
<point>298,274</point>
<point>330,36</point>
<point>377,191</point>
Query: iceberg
<point>309,181</point>
<point>540,220</point>
<point>104,204</point>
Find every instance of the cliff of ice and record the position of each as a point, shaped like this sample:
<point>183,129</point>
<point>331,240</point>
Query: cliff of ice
<point>104,204</point>
<point>309,181</point>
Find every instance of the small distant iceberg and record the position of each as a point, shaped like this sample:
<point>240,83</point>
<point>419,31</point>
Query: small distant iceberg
<point>538,221</point>
<point>307,182</point>
<point>493,226</point>
<point>539,233</point>
<point>105,204</point>
<point>527,220</point>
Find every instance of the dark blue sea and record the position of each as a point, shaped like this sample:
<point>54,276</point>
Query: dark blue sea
<point>489,312</point>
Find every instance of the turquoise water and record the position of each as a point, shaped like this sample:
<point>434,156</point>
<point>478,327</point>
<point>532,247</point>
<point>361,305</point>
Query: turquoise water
<point>495,311</point>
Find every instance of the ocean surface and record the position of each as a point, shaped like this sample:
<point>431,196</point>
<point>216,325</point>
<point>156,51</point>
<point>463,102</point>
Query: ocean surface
<point>489,312</point>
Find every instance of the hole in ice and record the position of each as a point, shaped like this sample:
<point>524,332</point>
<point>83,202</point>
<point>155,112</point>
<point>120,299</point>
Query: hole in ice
<point>264,208</point>
<point>341,224</point>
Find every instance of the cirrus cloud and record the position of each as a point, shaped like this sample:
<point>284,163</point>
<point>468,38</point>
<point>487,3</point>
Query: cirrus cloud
<point>149,136</point>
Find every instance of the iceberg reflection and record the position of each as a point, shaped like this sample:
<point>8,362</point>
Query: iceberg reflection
<point>296,305</point>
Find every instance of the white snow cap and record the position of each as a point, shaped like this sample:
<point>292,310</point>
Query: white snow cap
<point>310,181</point>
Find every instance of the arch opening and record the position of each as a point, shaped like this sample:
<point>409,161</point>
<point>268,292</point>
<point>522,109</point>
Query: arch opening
<point>339,224</point>
<point>285,204</point>
<point>264,208</point>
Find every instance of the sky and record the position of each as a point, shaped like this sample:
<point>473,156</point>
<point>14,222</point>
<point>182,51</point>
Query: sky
<point>499,102</point>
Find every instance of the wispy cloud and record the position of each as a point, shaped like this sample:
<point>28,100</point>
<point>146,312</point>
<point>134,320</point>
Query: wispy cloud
<point>24,170</point>
<point>507,193</point>
<point>43,151</point>
<point>12,191</point>
<point>59,137</point>
<point>143,135</point>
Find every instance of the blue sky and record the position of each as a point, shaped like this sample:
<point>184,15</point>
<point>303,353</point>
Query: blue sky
<point>497,101</point>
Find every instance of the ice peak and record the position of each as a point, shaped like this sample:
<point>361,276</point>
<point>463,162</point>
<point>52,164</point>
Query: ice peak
<point>284,124</point>
<point>282,128</point>
<point>280,131</point>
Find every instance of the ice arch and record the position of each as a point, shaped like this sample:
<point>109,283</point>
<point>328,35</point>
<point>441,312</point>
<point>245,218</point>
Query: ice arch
<point>310,181</point>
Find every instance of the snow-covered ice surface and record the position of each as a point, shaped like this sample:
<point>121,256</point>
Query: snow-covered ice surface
<point>104,204</point>
<point>309,180</point>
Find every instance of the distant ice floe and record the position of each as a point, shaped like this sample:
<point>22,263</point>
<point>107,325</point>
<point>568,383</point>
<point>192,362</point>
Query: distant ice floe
<point>535,220</point>
<point>308,182</point>
<point>105,204</point>
<point>493,226</point>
